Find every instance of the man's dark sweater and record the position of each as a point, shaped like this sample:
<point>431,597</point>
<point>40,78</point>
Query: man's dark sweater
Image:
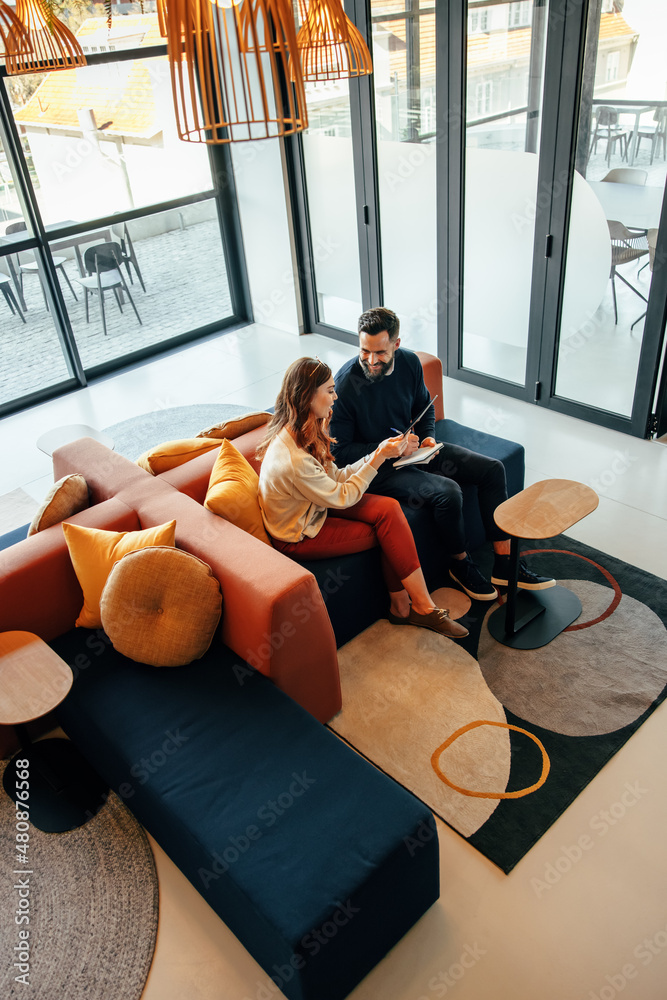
<point>365,412</point>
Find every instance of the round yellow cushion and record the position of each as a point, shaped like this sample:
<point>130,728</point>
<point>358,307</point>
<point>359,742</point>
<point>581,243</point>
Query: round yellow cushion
<point>161,606</point>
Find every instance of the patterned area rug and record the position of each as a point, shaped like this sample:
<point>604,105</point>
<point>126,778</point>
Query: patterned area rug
<point>90,899</point>
<point>134,436</point>
<point>497,741</point>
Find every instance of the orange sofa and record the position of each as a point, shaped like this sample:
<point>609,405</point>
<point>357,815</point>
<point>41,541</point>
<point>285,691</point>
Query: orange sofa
<point>273,617</point>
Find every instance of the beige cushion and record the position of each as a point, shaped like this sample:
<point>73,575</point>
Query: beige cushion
<point>66,497</point>
<point>232,492</point>
<point>173,453</point>
<point>237,426</point>
<point>161,606</point>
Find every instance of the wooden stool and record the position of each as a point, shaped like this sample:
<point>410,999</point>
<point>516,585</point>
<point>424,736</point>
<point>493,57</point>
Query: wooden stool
<point>49,780</point>
<point>532,618</point>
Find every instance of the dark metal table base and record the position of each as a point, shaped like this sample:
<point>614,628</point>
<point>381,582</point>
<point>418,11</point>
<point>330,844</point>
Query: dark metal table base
<point>64,790</point>
<point>540,615</point>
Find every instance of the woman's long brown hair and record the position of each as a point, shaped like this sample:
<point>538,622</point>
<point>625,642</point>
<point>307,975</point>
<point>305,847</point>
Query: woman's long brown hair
<point>300,383</point>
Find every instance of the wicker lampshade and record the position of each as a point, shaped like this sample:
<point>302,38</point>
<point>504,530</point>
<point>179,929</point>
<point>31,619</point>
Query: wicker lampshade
<point>230,70</point>
<point>53,46</point>
<point>13,35</point>
<point>330,45</point>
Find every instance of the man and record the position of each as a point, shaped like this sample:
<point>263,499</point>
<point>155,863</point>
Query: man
<point>382,391</point>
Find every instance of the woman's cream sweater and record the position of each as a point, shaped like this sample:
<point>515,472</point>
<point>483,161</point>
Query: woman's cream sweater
<point>295,490</point>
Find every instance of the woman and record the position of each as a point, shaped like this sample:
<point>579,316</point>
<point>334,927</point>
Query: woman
<point>299,484</point>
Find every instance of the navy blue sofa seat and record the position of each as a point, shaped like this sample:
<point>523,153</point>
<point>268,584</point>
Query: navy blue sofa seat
<point>13,536</point>
<point>303,848</point>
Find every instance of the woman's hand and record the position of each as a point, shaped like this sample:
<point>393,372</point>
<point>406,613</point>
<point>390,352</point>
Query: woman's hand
<point>389,448</point>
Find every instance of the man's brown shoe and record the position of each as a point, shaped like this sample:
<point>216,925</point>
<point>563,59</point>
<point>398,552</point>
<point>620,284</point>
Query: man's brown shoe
<point>437,620</point>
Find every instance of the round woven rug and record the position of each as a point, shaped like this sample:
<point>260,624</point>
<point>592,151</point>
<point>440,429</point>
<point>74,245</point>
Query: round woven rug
<point>134,436</point>
<point>92,902</point>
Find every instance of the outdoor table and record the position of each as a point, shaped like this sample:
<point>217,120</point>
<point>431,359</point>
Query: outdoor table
<point>636,206</point>
<point>76,241</point>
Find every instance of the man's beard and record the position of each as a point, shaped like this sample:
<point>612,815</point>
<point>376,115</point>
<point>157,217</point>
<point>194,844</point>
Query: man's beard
<point>379,375</point>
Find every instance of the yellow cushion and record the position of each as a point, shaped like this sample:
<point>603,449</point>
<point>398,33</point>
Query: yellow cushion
<point>172,453</point>
<point>237,426</point>
<point>94,551</point>
<point>66,497</point>
<point>161,606</point>
<point>232,491</point>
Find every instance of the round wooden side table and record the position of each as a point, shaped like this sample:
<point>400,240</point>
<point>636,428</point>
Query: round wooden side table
<point>63,789</point>
<point>58,436</point>
<point>532,618</point>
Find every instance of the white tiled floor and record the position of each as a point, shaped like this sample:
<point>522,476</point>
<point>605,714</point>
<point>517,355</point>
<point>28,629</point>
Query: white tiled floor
<point>566,924</point>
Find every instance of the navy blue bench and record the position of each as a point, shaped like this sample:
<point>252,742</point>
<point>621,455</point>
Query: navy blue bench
<point>317,862</point>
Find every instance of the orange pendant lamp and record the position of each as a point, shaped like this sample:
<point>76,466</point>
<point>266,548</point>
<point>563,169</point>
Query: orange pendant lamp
<point>331,47</point>
<point>13,35</point>
<point>53,46</point>
<point>162,17</point>
<point>229,64</point>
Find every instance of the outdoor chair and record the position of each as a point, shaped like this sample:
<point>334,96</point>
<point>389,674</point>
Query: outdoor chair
<point>627,175</point>
<point>626,246</point>
<point>607,128</point>
<point>127,251</point>
<point>10,298</point>
<point>652,240</point>
<point>102,263</point>
<point>32,267</point>
<point>655,132</point>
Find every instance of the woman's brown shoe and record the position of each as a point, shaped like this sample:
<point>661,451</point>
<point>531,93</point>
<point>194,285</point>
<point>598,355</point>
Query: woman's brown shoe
<point>437,620</point>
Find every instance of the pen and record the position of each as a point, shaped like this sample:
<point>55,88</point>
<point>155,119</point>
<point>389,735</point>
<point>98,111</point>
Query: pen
<point>416,420</point>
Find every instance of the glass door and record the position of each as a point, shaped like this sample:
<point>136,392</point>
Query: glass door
<point>506,45</point>
<point>619,184</point>
<point>404,64</point>
<point>330,182</point>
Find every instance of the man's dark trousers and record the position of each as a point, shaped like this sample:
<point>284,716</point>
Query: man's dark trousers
<point>438,486</point>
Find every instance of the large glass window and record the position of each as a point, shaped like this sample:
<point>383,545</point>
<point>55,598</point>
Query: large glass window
<point>404,78</point>
<point>28,364</point>
<point>102,139</point>
<point>100,142</point>
<point>162,289</point>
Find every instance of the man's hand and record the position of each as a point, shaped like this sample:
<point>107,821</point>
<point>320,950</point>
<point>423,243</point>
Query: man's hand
<point>412,445</point>
<point>428,443</point>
